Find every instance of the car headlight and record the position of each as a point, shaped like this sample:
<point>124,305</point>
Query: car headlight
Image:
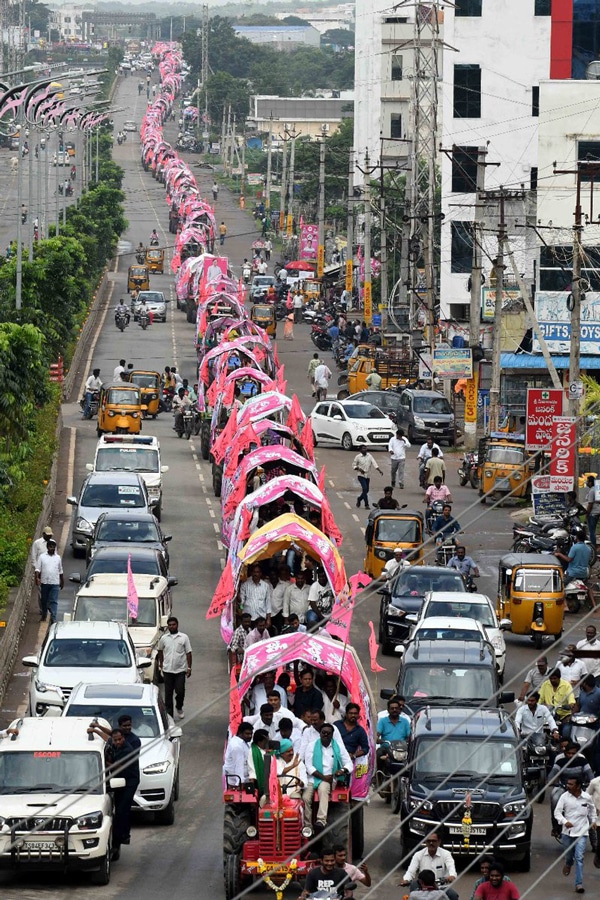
<point>43,688</point>
<point>90,820</point>
<point>514,808</point>
<point>83,525</point>
<point>158,768</point>
<point>135,414</point>
<point>498,644</point>
<point>424,806</point>
<point>517,476</point>
<point>488,473</point>
<point>420,423</point>
<point>380,554</point>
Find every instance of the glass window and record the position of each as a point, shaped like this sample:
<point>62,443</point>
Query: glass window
<point>507,456</point>
<point>112,496</point>
<point>589,151</point>
<point>397,531</point>
<point>62,771</point>
<point>72,653</point>
<point>114,609</point>
<point>129,459</point>
<point>144,381</point>
<point>144,721</point>
<point>542,8</point>
<point>461,253</point>
<point>396,67</point>
<point>354,411</point>
<point>437,758</point>
<point>468,8</point>
<point>148,565</point>
<point>478,611</point>
<point>537,581</point>
<point>447,634</point>
<point>467,92</point>
<point>437,406</point>
<point>535,100</point>
<point>458,683</point>
<point>464,170</point>
<point>396,125</point>
<point>533,178</point>
<point>414,583</point>
<point>124,530</point>
<point>120,397</point>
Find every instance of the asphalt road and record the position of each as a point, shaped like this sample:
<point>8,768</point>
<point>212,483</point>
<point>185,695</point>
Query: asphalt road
<point>187,857</point>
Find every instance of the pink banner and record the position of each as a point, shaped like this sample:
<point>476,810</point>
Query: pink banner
<point>341,614</point>
<point>373,648</point>
<point>309,239</point>
<point>132,595</point>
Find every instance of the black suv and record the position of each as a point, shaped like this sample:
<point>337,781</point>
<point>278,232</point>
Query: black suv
<point>404,597</point>
<point>457,755</point>
<point>444,673</point>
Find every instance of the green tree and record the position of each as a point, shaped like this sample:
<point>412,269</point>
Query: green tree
<point>223,91</point>
<point>340,37</point>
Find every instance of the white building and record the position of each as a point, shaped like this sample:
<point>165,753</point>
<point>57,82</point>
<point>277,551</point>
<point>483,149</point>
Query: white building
<point>494,105</point>
<point>67,20</point>
<point>280,37</point>
<point>305,115</point>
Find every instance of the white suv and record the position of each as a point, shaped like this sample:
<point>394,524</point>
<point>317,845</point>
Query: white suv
<point>132,453</point>
<point>55,808</point>
<point>80,651</point>
<point>104,599</point>
<point>469,606</point>
<point>159,755</point>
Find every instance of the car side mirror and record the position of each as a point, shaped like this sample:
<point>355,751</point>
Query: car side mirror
<point>167,538</point>
<point>384,592</point>
<point>89,467</point>
<point>72,501</point>
<point>506,697</point>
<point>143,662</point>
<point>75,577</point>
<point>411,618</point>
<point>30,661</point>
<point>172,580</point>
<point>175,732</point>
<point>115,784</point>
<point>386,693</point>
<point>164,469</point>
<point>505,625</point>
<point>399,649</point>
<point>163,621</point>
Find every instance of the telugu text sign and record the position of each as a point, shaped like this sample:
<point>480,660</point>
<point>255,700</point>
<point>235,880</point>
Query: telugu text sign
<point>562,457</point>
<point>542,407</point>
<point>471,399</point>
<point>453,363</point>
<point>488,301</point>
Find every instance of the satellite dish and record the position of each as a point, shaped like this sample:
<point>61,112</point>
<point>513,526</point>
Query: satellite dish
<point>592,72</point>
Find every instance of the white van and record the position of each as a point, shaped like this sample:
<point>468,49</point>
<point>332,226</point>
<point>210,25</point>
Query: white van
<point>132,453</point>
<point>57,811</point>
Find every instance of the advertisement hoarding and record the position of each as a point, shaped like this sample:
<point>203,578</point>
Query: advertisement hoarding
<point>554,318</point>
<point>543,405</point>
<point>453,363</point>
<point>562,457</point>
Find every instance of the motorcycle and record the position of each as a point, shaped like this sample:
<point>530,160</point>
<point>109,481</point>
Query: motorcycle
<point>121,321</point>
<point>576,595</point>
<point>246,273</point>
<point>167,399</point>
<point>584,728</point>
<point>445,550</point>
<point>387,778</point>
<point>94,403</point>
<point>320,338</point>
<point>537,752</point>
<point>432,512</point>
<point>141,258</point>
<point>143,319</point>
<point>467,472</point>
<point>188,422</point>
<point>69,190</point>
<point>119,140</point>
<point>154,240</point>
<point>23,218</point>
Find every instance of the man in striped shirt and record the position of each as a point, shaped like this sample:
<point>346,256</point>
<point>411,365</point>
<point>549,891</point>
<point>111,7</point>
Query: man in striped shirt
<point>255,596</point>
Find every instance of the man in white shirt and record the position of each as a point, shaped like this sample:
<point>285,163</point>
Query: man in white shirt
<point>324,760</point>
<point>320,599</point>
<point>297,305</point>
<point>295,599</point>
<point>591,642</point>
<point>266,719</point>
<point>50,579</point>
<point>92,385</point>
<point>437,860</point>
<point>427,449</point>
<point>362,464</point>
<point>263,687</point>
<point>321,380</point>
<point>255,596</point>
<point>174,660</point>
<point>397,450</point>
<point>235,763</point>
<point>395,565</point>
<point>262,267</point>
<point>277,595</point>
<point>334,703</point>
<point>38,547</point>
<point>576,813</point>
<point>534,717</point>
<point>571,669</point>
<point>119,370</point>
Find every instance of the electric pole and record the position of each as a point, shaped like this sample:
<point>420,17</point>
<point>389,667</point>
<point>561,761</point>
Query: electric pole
<point>282,189</point>
<point>383,260</point>
<point>496,334</point>
<point>476,269</point>
<point>290,214</point>
<point>348,285</point>
<point>367,301</point>
<point>269,164</point>
<point>321,209</point>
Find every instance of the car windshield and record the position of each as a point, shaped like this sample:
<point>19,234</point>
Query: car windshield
<point>480,759</point>
<point>114,609</point>
<point>136,271</point>
<point>397,531</point>
<point>447,634</point>
<point>144,381</point>
<point>481,612</point>
<point>534,581</point>
<point>128,459</point>
<point>151,297</point>
<point>123,531</point>
<point>112,496</point>
<point>55,771</point>
<point>144,722</point>
<point>266,312</point>
<point>120,397</point>
<point>362,411</point>
<point>436,406</point>
<point>261,280</point>
<point>462,684</point>
<point>412,582</point>
<point>110,565</point>
<point>509,456</point>
<point>79,653</point>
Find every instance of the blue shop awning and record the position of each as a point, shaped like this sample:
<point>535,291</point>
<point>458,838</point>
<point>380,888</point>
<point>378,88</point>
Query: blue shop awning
<point>536,361</point>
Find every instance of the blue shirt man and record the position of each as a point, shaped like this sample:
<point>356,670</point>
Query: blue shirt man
<point>578,558</point>
<point>588,701</point>
<point>445,526</point>
<point>389,730</point>
<point>353,735</point>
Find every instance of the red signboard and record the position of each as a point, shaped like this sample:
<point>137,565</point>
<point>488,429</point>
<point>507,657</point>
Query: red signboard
<point>562,455</point>
<point>542,408</point>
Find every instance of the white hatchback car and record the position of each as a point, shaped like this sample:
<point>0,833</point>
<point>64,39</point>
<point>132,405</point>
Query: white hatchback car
<point>351,424</point>
<point>81,651</point>
<point>467,606</point>
<point>159,755</point>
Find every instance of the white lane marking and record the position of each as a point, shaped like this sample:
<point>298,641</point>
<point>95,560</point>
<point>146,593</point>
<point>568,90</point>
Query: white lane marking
<point>355,517</point>
<point>99,328</point>
<point>211,512</point>
<point>347,505</point>
<point>216,527</point>
<point>198,466</point>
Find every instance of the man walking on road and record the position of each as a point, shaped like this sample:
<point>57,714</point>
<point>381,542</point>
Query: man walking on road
<point>215,191</point>
<point>576,813</point>
<point>222,233</point>
<point>174,660</point>
<point>363,463</point>
<point>397,450</point>
<point>37,548</point>
<point>322,376</point>
<point>315,361</point>
<point>49,577</point>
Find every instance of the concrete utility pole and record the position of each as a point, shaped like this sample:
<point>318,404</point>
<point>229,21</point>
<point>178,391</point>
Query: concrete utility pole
<point>269,165</point>
<point>476,269</point>
<point>283,186</point>
<point>499,270</point>
<point>383,258</point>
<point>290,213</point>
<point>321,205</point>
<point>367,301</point>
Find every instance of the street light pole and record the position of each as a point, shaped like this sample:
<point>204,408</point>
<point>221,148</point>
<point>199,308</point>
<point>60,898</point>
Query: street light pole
<point>30,204</point>
<point>19,269</point>
<point>321,213</point>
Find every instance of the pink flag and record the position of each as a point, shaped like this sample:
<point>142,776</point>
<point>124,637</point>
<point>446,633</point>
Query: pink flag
<point>373,648</point>
<point>132,597</point>
<point>341,614</point>
<point>235,709</point>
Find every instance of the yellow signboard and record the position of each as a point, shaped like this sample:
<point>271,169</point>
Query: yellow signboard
<point>348,284</point>
<point>320,260</point>
<point>471,398</point>
<point>288,225</point>
<point>281,219</point>
<point>367,304</point>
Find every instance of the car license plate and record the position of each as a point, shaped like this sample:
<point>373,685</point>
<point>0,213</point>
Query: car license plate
<point>474,830</point>
<point>380,437</point>
<point>502,485</point>
<point>436,430</point>
<point>40,845</point>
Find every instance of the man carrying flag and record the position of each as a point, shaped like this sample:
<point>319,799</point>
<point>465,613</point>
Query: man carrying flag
<point>174,660</point>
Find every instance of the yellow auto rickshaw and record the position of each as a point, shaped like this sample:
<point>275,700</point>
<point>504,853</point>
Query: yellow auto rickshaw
<point>120,409</point>
<point>390,528</point>
<point>155,260</point>
<point>503,467</point>
<point>311,289</point>
<point>264,315</point>
<point>138,279</point>
<point>150,390</point>
<point>531,595</point>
